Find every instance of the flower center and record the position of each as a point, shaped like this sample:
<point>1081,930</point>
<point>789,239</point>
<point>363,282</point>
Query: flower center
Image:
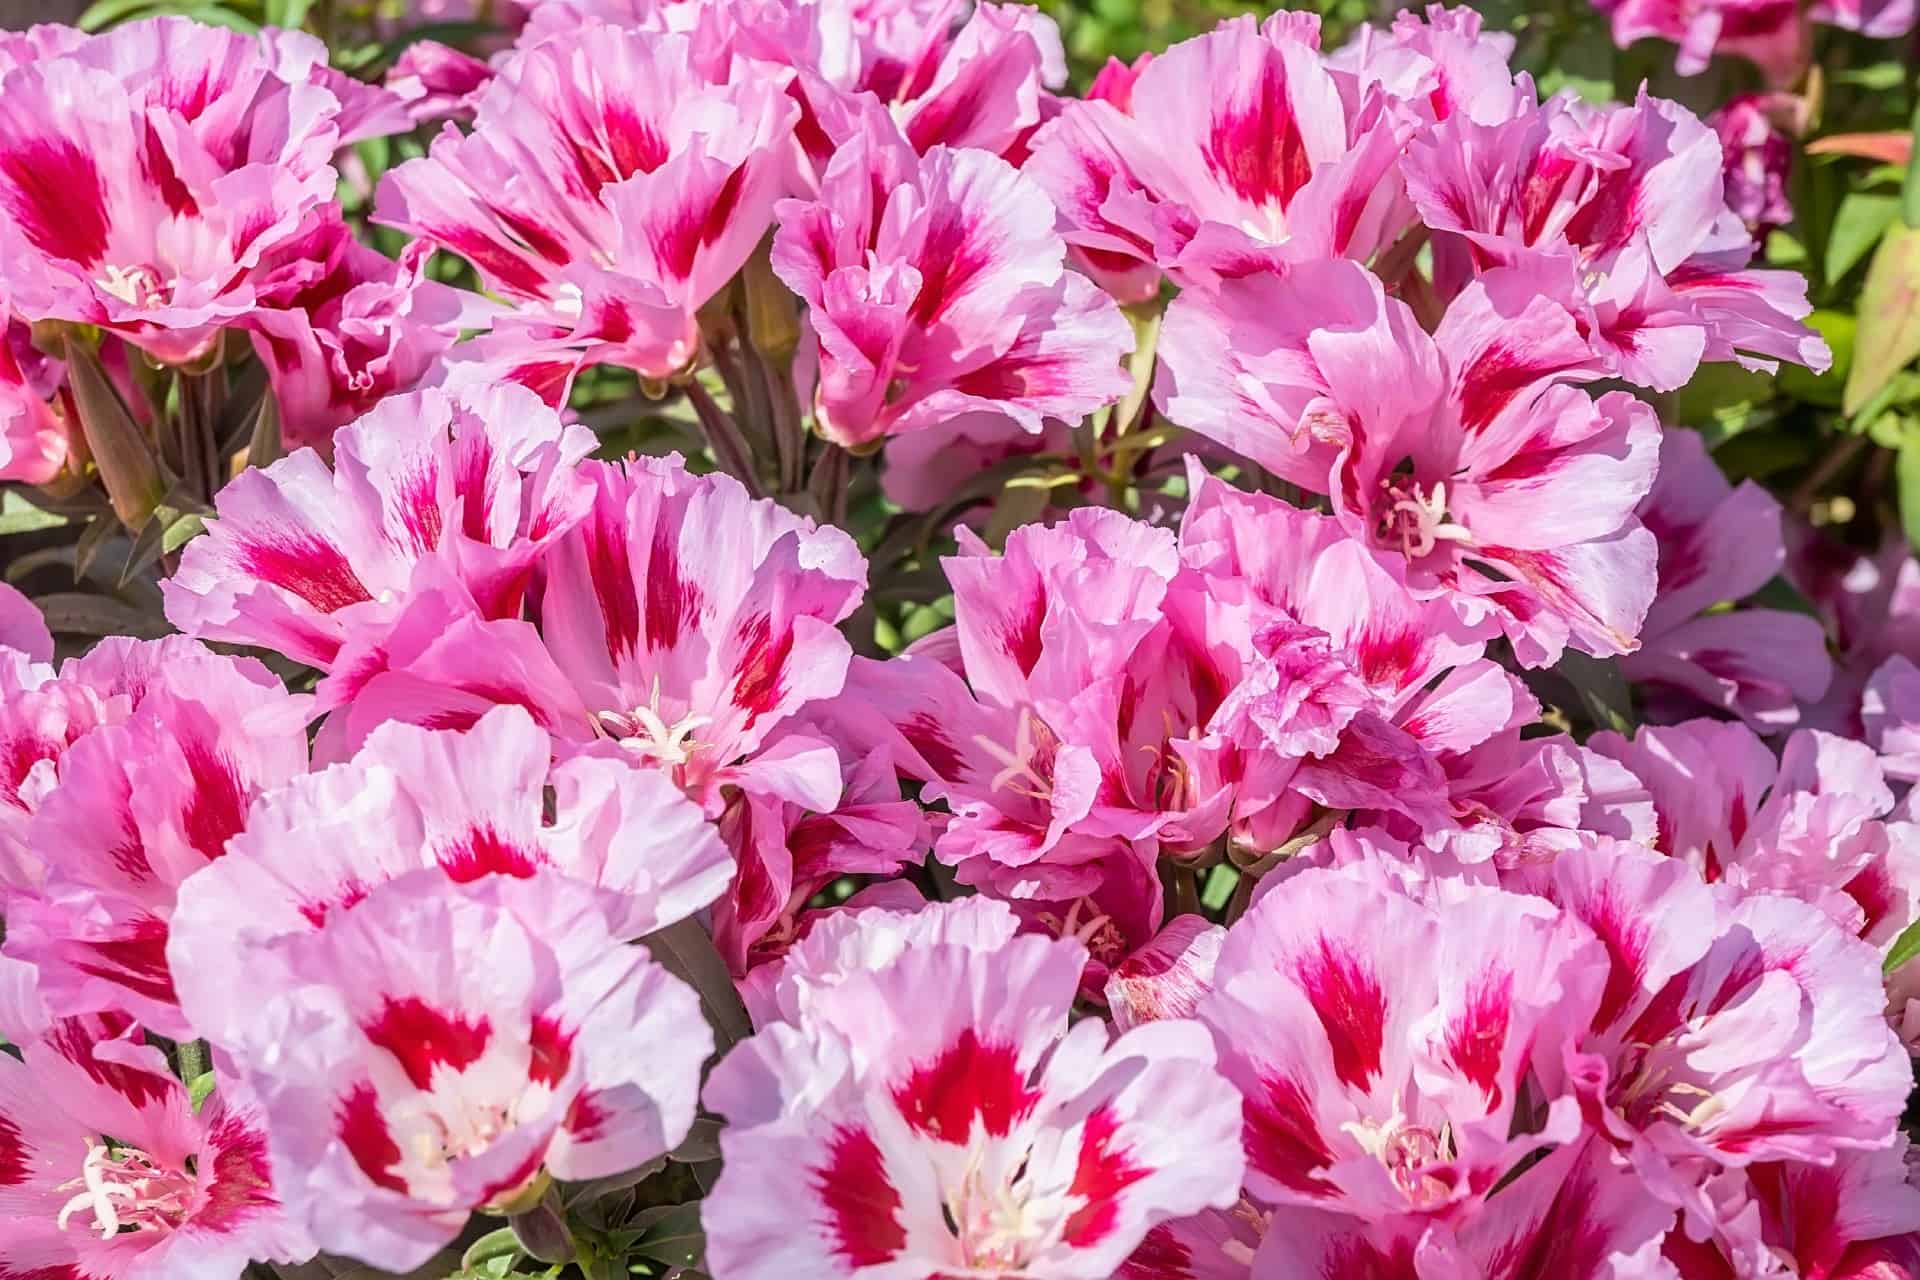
<point>1405,1149</point>
<point>999,1221</point>
<point>1025,761</point>
<point>124,1190</point>
<point>645,732</point>
<point>1416,517</point>
<point>135,286</point>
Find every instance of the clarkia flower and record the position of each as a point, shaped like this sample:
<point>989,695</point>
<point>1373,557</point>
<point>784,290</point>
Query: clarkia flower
<point>146,174</point>
<point>108,1172</point>
<point>978,1135</point>
<point>607,191</point>
<point>442,1047</point>
<point>1506,491</point>
<point>937,288</point>
<point>304,558</point>
<point>33,438</point>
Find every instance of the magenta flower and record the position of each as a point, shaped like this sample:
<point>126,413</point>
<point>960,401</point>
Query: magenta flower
<point>1242,148</point>
<point>936,288</point>
<point>1719,544</point>
<point>1382,1043</point>
<point>146,173</point>
<point>1813,825</point>
<point>977,1135</point>
<point>1732,1029</point>
<point>1621,209</point>
<point>441,1047</point>
<point>478,483</point>
<point>141,803</point>
<point>1756,158</point>
<point>680,619</point>
<point>350,327</point>
<point>1772,34</point>
<point>607,191</point>
<point>487,801</point>
<point>33,439</point>
<point>108,1173</point>
<point>1506,491</point>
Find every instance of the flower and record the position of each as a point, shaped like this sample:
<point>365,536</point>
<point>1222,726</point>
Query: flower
<point>33,439</point>
<point>936,288</point>
<point>1383,1043</point>
<point>978,1133</point>
<point>1236,149</point>
<point>482,802</point>
<point>304,558</point>
<point>607,191</point>
<point>1620,210</point>
<point>108,1172</point>
<point>1506,491</point>
<point>146,173</point>
<point>1718,544</point>
<point>141,803</point>
<point>1757,158</point>
<point>439,1047</point>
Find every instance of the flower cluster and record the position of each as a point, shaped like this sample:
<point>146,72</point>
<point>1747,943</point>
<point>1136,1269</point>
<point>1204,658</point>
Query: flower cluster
<point>1358,799</point>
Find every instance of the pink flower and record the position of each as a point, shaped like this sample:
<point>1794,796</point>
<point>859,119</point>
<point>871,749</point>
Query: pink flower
<point>23,628</point>
<point>351,328</point>
<point>1169,976</point>
<point>978,1133</point>
<point>1757,158</point>
<point>437,82</point>
<point>1245,149</point>
<point>1521,800</point>
<point>1438,64</point>
<point>33,439</point>
<point>1772,34</point>
<point>1507,492</point>
<point>1575,1215</point>
<point>1718,544</point>
<point>146,173</point>
<point>108,1173</point>
<point>936,288</point>
<point>784,854</point>
<point>1622,210</point>
<point>440,1047</point>
<point>608,190</point>
<point>1807,1219</point>
<point>1733,1029</point>
<point>478,483</point>
<point>1810,826</point>
<point>142,803</point>
<point>486,801</point>
<point>1383,1043</point>
<point>679,619</point>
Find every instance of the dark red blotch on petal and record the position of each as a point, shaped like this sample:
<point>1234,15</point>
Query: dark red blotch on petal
<point>422,1038</point>
<point>1103,1171</point>
<point>1351,1006</point>
<point>364,1132</point>
<point>863,1207</point>
<point>969,1080</point>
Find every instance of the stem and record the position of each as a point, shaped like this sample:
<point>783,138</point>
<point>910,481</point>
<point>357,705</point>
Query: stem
<point>723,437</point>
<point>193,1059</point>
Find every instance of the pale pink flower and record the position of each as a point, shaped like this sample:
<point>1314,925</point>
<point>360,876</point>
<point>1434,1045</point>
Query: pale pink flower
<point>437,82</point>
<point>146,173</point>
<point>1438,64</point>
<point>108,1173</point>
<point>607,191</point>
<point>1807,1219</point>
<point>1772,34</point>
<point>33,438</point>
<point>1523,799</point>
<point>1622,211</point>
<point>439,1047</point>
<point>978,1133</point>
<point>1168,977</point>
<point>1733,1029</point>
<point>23,628</point>
<point>1214,1245</point>
<point>1383,1043</point>
<point>343,327</point>
<point>140,805</point>
<point>1235,149</point>
<point>1574,1215</point>
<point>937,288</point>
<point>486,801</point>
<point>1507,492</point>
<point>302,558</point>
<point>1719,544</point>
<point>1815,825</point>
<point>679,619</point>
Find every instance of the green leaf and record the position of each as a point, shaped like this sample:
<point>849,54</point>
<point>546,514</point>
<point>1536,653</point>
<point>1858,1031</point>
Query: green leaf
<point>1904,948</point>
<point>18,515</point>
<point>290,14</point>
<point>200,1088</point>
<point>1857,227</point>
<point>1825,389</point>
<point>104,13</point>
<point>1602,689</point>
<point>1889,335</point>
<point>1906,479</point>
<point>672,1235</point>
